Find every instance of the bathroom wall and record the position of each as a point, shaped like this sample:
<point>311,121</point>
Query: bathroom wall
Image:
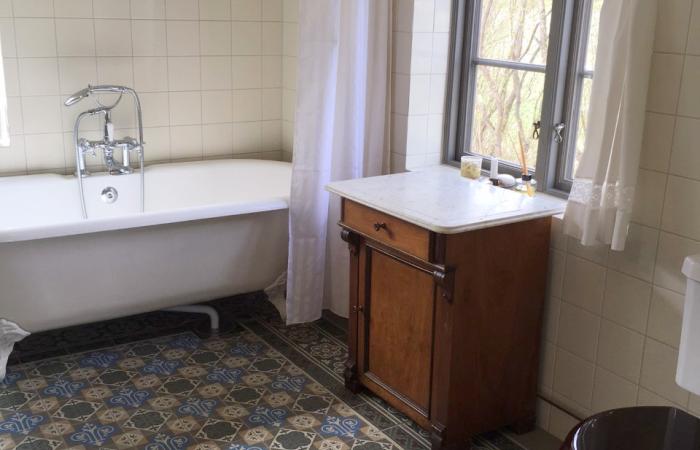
<point>614,318</point>
<point>420,58</point>
<point>209,73</point>
<point>289,78</point>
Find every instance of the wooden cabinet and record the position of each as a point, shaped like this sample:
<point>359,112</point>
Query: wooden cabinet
<point>446,328</point>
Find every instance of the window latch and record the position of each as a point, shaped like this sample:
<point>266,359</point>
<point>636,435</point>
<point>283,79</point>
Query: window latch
<point>536,129</point>
<point>559,132</point>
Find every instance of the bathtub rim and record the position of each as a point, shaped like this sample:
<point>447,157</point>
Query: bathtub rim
<point>80,226</point>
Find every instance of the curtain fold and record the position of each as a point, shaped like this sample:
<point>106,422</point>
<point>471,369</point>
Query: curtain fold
<point>340,133</point>
<point>602,195</point>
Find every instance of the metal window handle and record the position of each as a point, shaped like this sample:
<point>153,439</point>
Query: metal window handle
<point>559,132</point>
<point>378,226</point>
<point>536,126</point>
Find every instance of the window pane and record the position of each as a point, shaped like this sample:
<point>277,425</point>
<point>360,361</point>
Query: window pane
<point>506,104</point>
<point>581,124</point>
<point>515,30</point>
<point>593,34</point>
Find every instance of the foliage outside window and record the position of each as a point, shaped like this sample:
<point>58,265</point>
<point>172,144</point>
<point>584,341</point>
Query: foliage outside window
<point>522,67</point>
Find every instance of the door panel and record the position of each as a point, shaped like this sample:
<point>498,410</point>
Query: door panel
<point>398,338</point>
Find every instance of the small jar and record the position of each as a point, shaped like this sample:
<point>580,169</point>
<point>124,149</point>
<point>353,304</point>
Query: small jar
<point>526,185</point>
<point>470,167</point>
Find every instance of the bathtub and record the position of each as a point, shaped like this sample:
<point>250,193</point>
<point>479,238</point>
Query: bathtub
<point>209,229</point>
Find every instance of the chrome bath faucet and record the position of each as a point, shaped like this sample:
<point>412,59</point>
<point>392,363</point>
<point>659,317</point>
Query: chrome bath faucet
<point>108,144</point>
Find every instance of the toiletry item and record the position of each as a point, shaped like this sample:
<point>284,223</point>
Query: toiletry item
<point>526,185</point>
<point>506,181</point>
<point>470,167</point>
<point>493,175</point>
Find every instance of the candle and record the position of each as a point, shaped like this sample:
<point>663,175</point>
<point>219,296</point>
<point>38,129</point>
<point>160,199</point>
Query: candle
<point>494,168</point>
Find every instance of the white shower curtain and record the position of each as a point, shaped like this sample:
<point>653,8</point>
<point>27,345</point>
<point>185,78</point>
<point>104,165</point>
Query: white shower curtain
<point>340,133</point>
<point>600,203</point>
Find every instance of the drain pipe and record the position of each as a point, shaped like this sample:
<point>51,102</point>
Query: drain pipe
<point>200,309</point>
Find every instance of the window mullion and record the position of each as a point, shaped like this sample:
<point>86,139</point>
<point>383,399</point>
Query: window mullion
<point>553,105</point>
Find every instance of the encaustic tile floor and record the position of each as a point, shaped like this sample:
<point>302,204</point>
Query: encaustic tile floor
<point>157,381</point>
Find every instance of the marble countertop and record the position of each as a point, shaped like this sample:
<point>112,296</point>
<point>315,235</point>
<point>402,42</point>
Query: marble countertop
<point>439,199</point>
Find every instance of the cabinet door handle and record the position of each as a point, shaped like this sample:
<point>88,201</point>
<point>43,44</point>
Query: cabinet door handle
<point>378,226</point>
<point>358,309</point>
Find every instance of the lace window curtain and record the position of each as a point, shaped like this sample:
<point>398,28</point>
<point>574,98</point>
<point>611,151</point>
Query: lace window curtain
<point>602,195</point>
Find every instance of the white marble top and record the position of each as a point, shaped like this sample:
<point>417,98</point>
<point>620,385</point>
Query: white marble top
<point>439,199</point>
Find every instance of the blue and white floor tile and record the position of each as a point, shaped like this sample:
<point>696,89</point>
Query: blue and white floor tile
<point>259,386</point>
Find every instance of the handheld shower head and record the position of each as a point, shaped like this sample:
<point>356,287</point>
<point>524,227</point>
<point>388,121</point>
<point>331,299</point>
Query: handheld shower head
<point>75,98</point>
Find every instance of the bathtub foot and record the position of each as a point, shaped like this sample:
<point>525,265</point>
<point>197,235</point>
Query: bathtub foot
<point>10,333</point>
<point>200,309</point>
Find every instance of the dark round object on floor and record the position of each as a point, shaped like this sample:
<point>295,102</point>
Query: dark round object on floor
<point>640,428</point>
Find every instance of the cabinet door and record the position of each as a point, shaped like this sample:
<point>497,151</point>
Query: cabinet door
<point>396,330</point>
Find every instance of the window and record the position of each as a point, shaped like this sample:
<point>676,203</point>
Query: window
<point>522,75</point>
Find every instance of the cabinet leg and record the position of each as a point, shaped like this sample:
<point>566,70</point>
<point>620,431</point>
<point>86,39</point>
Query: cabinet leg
<point>352,383</point>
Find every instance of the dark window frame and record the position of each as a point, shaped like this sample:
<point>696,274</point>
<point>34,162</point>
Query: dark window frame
<point>568,36</point>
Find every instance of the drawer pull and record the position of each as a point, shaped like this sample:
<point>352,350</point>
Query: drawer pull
<point>378,226</point>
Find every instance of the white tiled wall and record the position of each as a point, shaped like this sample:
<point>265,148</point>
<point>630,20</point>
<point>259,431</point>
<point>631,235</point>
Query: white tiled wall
<point>209,73</point>
<point>290,30</point>
<point>613,319</point>
<point>420,51</point>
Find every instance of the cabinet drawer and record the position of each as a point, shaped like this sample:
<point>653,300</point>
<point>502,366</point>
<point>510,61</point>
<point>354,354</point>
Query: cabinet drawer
<point>387,229</point>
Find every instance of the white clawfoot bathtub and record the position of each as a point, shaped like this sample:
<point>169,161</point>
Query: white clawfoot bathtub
<point>210,229</point>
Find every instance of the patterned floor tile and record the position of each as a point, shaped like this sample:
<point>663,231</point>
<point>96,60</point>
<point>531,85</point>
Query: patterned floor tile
<point>259,385</point>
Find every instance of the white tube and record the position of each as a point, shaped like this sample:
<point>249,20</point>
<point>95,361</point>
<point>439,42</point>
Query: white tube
<point>200,309</point>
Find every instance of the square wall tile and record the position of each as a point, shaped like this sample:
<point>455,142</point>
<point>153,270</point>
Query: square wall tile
<point>664,83</point>
<point>246,38</point>
<point>35,37</point>
<point>214,9</point>
<point>184,73</point>
<point>151,74</point>
<point>186,142</point>
<point>666,316</point>
<point>626,300</point>
<point>75,37</point>
<point>149,38</point>
<point>656,146</point>
<point>182,9</point>
<point>578,331</point>
<point>682,208</point>
<point>620,350</point>
<point>649,198</point>
<point>640,252</point>
<point>32,8</point>
<point>690,88</point>
<point>38,76</point>
<point>659,372</point>
<point>573,378</point>
<point>183,38</point>
<point>215,38</point>
<point>44,151</point>
<point>185,108</point>
<point>672,251</point>
<point>584,283</point>
<point>148,9</point>
<point>672,19</point>
<point>111,9</point>
<point>611,391</point>
<point>272,10</point>
<point>685,159</point>
<point>246,10</point>
<point>113,37</point>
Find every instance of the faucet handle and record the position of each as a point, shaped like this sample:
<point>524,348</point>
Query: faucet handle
<point>86,147</point>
